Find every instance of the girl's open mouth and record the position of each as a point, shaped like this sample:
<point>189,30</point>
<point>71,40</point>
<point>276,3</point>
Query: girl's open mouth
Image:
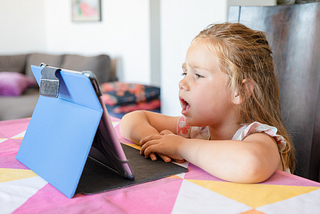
<point>185,106</point>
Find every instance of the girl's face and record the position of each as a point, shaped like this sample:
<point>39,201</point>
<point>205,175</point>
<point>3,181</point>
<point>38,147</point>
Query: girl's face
<point>204,96</point>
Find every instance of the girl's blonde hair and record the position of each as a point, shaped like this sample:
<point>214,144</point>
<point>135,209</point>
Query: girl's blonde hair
<point>245,54</point>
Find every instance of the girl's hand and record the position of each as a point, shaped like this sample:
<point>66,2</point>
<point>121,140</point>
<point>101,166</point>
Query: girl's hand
<point>165,144</point>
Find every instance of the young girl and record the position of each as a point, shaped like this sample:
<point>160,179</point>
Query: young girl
<point>231,125</point>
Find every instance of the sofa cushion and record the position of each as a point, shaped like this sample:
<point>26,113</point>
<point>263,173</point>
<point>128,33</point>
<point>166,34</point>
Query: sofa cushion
<point>15,63</point>
<point>148,105</point>
<point>14,83</point>
<point>100,65</point>
<point>37,58</point>
<point>20,106</point>
<point>120,93</point>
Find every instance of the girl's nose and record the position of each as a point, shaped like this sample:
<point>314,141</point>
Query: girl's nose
<point>183,85</point>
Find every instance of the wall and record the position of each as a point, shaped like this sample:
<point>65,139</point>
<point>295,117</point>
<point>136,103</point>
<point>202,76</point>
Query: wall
<point>123,33</point>
<point>46,26</point>
<point>22,26</point>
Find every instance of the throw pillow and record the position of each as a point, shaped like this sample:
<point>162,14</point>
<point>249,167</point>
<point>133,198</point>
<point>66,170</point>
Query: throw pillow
<point>14,83</point>
<point>148,105</point>
<point>119,93</point>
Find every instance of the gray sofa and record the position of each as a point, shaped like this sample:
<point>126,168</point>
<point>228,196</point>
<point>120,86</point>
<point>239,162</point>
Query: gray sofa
<point>15,107</point>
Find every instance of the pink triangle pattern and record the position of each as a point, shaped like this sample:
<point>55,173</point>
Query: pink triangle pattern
<point>279,178</point>
<point>138,198</point>
<point>8,160</point>
<point>11,128</point>
<point>17,141</point>
<point>196,173</point>
<point>2,135</point>
<point>9,145</point>
<point>290,180</point>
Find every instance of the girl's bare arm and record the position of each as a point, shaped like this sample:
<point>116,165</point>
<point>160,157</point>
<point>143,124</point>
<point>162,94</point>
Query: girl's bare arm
<point>137,125</point>
<point>252,160</point>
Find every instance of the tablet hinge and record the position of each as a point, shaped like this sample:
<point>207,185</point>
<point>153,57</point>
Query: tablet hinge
<point>49,84</point>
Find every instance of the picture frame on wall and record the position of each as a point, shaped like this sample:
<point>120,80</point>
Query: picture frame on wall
<point>86,10</point>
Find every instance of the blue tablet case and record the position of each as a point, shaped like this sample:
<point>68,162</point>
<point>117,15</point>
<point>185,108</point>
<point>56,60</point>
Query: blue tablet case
<point>61,131</point>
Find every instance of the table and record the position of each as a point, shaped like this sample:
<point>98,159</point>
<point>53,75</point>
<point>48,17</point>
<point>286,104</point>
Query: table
<point>22,191</point>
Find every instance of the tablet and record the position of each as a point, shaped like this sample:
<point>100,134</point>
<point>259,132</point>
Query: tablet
<point>106,147</point>
<point>69,125</point>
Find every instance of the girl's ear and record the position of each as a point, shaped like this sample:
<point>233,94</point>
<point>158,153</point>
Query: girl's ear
<point>249,87</point>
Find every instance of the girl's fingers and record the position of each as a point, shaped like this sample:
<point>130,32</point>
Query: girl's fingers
<point>165,132</point>
<point>154,137</point>
<point>153,156</point>
<point>149,138</point>
<point>146,145</point>
<point>146,150</point>
<point>165,158</point>
<point>180,161</point>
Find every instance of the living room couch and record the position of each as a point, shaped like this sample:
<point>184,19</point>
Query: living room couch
<point>14,105</point>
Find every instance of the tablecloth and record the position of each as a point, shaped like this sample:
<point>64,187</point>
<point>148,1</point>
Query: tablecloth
<point>22,191</point>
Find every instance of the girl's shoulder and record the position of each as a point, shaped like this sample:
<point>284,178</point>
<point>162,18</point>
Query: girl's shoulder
<point>257,127</point>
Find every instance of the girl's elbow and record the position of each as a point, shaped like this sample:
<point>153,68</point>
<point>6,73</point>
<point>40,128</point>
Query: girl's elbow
<point>255,171</point>
<point>127,123</point>
<point>253,174</point>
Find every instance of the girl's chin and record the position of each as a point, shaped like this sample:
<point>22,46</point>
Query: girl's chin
<point>185,111</point>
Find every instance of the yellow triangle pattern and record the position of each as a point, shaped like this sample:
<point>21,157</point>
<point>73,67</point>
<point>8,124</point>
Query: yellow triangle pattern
<point>17,138</point>
<point>3,139</point>
<point>15,174</point>
<point>254,195</point>
<point>133,145</point>
<point>174,176</point>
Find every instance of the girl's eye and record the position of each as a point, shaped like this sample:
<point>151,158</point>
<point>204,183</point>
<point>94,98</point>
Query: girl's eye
<point>198,75</point>
<point>184,73</point>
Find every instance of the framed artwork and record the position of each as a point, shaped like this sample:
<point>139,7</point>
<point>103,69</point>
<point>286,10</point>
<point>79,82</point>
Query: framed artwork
<point>86,10</point>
